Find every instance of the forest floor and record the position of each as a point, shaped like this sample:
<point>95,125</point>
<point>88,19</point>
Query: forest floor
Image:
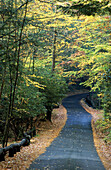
<point>47,132</point>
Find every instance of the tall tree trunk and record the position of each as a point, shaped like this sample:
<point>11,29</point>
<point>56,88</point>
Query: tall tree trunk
<point>1,90</point>
<point>54,50</point>
<point>12,91</point>
<point>18,58</point>
<point>54,44</point>
<point>3,79</point>
<point>5,135</point>
<point>49,112</point>
<point>49,115</point>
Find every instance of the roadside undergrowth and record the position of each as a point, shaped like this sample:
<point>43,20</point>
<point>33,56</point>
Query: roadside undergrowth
<point>46,133</point>
<point>101,134</point>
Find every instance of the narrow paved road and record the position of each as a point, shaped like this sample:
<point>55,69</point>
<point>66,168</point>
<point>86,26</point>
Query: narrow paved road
<point>73,149</point>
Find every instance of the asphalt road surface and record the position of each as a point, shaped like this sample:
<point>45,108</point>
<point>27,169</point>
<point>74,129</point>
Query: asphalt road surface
<point>73,149</point>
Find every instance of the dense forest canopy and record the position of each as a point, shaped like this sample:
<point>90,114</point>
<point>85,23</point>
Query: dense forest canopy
<point>44,45</point>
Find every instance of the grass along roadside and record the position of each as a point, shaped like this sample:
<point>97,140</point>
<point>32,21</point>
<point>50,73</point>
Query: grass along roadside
<point>99,135</point>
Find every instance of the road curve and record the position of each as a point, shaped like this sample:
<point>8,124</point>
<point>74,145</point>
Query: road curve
<point>73,149</point>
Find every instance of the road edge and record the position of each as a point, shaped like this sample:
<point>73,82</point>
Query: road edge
<point>98,142</point>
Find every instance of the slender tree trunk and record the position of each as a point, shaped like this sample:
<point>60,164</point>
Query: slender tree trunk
<point>5,136</point>
<point>18,58</point>
<point>12,91</point>
<point>33,65</point>
<point>54,44</point>
<point>54,51</point>
<point>34,62</point>
<point>1,90</point>
<point>49,113</point>
<point>3,79</point>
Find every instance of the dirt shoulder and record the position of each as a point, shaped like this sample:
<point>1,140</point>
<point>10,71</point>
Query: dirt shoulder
<point>46,133</point>
<point>103,149</point>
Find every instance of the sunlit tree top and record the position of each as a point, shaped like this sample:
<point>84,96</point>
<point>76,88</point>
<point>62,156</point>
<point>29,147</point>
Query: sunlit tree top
<point>85,7</point>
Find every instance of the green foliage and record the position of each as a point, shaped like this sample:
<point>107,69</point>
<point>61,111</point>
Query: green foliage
<point>93,58</point>
<point>83,7</point>
<point>29,102</point>
<point>55,87</point>
<point>34,32</point>
<point>104,127</point>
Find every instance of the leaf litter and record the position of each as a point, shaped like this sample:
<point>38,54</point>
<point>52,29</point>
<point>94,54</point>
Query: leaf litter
<point>103,149</point>
<point>47,132</point>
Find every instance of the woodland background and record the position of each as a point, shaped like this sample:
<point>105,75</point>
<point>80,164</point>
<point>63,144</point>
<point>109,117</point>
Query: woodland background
<point>46,48</point>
